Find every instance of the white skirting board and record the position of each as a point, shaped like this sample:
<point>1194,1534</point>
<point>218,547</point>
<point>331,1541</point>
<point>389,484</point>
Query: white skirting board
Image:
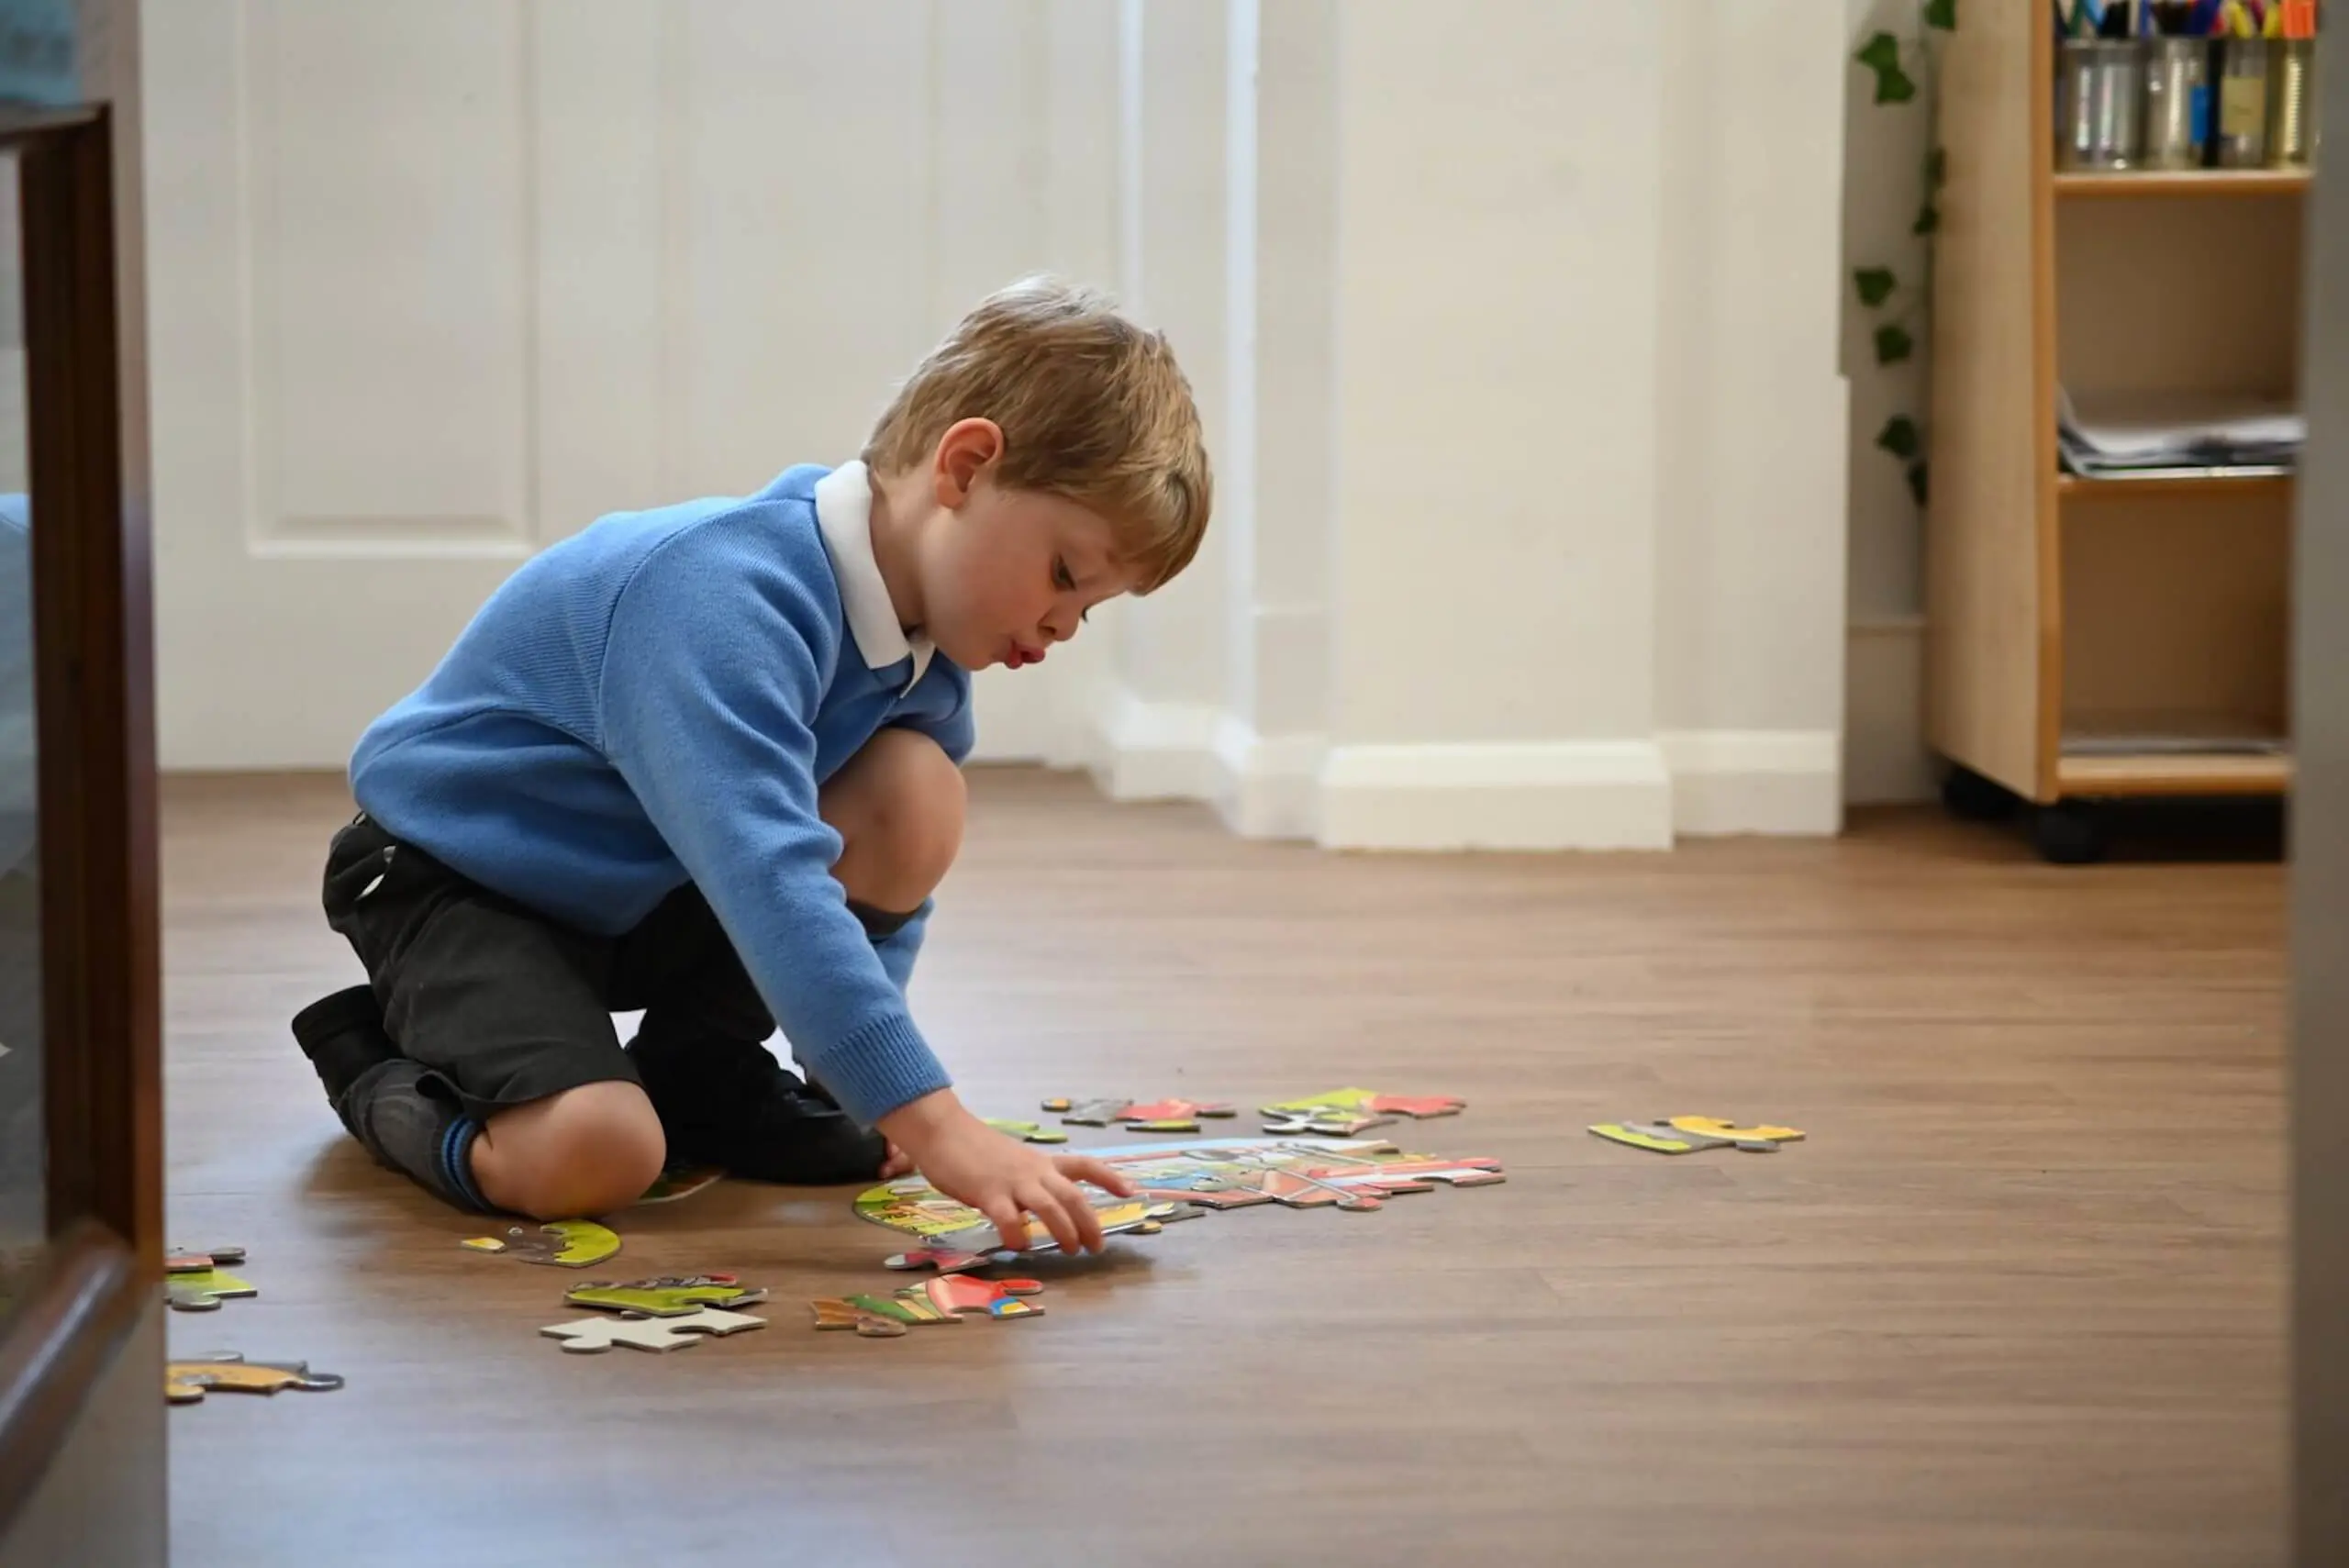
<point>1567,794</point>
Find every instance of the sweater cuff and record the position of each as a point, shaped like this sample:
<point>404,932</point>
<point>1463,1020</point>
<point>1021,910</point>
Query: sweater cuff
<point>880,1067</point>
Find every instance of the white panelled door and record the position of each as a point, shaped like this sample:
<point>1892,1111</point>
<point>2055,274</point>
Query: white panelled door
<point>434,284</point>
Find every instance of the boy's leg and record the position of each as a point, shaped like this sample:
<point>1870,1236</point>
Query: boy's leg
<point>898,805</point>
<point>507,1087</point>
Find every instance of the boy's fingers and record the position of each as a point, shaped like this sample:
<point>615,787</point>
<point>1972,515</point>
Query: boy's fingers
<point>1050,1210</point>
<point>1088,1223</point>
<point>1004,1215</point>
<point>1077,1168</point>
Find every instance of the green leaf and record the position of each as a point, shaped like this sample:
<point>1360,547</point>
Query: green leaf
<point>1893,344</point>
<point>1881,54</point>
<point>1917,481</point>
<point>1941,14</point>
<point>1936,169</point>
<point>1875,285</point>
<point>1898,437</point>
<point>1928,220</point>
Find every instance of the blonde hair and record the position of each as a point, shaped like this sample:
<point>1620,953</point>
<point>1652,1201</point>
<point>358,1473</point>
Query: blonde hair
<point>1093,409</point>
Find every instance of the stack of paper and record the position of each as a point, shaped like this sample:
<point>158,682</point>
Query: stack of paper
<point>2124,435</point>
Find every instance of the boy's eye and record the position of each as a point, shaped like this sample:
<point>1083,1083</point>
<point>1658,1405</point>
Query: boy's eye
<point>1061,578</point>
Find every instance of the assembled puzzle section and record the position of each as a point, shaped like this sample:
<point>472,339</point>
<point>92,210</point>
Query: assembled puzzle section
<point>1343,1113</point>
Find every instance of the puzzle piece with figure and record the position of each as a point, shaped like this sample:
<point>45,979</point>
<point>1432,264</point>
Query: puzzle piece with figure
<point>564,1243</point>
<point>666,1296</point>
<point>590,1336</point>
<point>1690,1134</point>
<point>950,1226</point>
<point>946,1298</point>
<point>1157,1116</point>
<point>187,1382</point>
<point>1341,1113</point>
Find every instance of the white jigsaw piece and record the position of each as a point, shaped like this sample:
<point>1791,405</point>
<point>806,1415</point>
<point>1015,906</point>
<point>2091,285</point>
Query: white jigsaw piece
<point>589,1335</point>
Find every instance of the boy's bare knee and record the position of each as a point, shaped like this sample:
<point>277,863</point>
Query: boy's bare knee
<point>587,1151</point>
<point>898,806</point>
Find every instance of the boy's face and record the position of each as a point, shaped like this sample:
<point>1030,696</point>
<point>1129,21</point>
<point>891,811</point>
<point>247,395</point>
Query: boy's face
<point>1009,572</point>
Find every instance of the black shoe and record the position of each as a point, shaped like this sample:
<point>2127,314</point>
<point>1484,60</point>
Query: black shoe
<point>343,1037</point>
<point>730,1104</point>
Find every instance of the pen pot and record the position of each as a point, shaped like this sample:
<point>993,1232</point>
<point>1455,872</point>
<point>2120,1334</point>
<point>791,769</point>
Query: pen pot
<point>2243,103</point>
<point>2098,89</point>
<point>2177,102</point>
<point>2292,102</point>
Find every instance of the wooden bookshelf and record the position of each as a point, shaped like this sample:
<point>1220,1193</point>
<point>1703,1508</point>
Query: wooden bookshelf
<point>2157,183</point>
<point>2059,605</point>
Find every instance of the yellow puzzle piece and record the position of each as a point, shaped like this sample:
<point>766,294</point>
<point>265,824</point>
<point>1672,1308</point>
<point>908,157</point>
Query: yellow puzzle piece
<point>1687,1134</point>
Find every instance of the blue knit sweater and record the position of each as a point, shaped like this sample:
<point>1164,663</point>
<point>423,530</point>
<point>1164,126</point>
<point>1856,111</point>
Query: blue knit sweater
<point>655,700</point>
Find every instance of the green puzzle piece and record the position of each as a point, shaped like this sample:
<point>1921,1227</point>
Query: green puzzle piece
<point>204,1290</point>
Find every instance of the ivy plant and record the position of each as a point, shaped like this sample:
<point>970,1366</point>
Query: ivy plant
<point>1902,309</point>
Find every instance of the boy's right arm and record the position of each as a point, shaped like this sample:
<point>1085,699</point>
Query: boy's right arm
<point>712,668</point>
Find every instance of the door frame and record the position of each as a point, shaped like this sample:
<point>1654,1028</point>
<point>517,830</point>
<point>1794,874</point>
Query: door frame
<point>86,440</point>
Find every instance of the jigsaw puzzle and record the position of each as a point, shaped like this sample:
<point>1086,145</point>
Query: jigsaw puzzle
<point>667,1296</point>
<point>565,1243</point>
<point>1357,1176</point>
<point>1027,1131</point>
<point>948,1299</point>
<point>1688,1134</point>
<point>590,1336</point>
<point>1158,1115</point>
<point>951,1227</point>
<point>1341,1113</point>
<point>187,1382</point>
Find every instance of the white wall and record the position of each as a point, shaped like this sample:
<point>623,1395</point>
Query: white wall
<point>1533,424</point>
<point>1513,326</point>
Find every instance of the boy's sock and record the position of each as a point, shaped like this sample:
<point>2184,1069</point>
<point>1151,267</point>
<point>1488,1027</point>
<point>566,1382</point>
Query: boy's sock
<point>393,1106</point>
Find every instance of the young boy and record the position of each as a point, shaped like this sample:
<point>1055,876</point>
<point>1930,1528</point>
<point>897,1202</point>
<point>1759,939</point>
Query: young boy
<point>704,760</point>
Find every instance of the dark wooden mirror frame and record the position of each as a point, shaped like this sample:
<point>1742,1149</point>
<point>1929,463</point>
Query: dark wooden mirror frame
<point>94,693</point>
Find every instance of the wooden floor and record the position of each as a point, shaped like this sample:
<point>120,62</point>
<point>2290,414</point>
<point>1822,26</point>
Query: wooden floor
<point>2019,1300</point>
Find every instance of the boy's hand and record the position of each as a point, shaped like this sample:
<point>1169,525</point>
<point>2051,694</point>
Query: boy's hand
<point>896,1163</point>
<point>1003,1178</point>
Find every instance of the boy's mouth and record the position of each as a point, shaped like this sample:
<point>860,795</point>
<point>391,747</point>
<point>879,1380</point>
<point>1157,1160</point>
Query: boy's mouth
<point>1019,654</point>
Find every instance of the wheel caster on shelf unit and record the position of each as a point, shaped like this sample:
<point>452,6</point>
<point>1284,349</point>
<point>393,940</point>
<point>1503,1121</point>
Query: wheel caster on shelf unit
<point>2069,833</point>
<point>1970,797</point>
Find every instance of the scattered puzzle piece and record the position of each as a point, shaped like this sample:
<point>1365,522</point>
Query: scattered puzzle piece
<point>946,1298</point>
<point>189,1263</point>
<point>956,1295</point>
<point>1341,1113</point>
<point>838,1312</point>
<point>187,1382</point>
<point>590,1336</point>
<point>1158,1115</point>
<point>680,1181</point>
<point>204,1292</point>
<point>1028,1132</point>
<point>1688,1134</point>
<point>947,1262</point>
<point>565,1243</point>
<point>668,1295</point>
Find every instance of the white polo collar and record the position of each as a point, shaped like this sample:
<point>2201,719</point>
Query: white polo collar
<point>844,516</point>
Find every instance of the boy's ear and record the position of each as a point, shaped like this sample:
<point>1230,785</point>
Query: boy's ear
<point>964,452</point>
